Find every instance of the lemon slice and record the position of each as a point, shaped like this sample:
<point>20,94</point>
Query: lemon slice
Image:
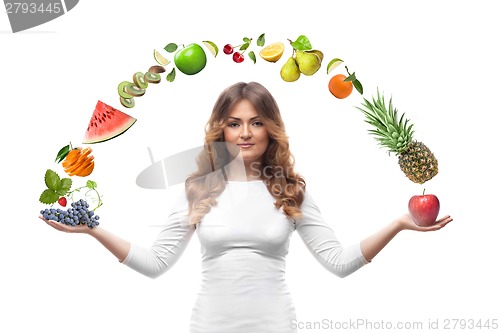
<point>161,59</point>
<point>211,47</point>
<point>333,64</point>
<point>272,52</point>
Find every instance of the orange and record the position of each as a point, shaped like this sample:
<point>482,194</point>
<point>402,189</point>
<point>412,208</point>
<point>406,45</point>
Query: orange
<point>79,162</point>
<point>338,87</point>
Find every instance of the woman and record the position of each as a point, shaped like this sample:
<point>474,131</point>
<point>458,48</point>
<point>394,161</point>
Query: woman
<point>245,200</point>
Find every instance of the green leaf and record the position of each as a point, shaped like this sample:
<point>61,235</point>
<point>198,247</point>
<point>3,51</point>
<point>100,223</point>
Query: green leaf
<point>244,46</point>
<point>91,184</point>
<point>52,180</point>
<point>358,86</point>
<point>246,40</point>
<point>261,40</point>
<point>63,152</point>
<point>302,43</point>
<point>351,77</point>
<point>65,186</point>
<point>171,76</point>
<point>171,47</point>
<point>48,197</point>
<point>251,55</point>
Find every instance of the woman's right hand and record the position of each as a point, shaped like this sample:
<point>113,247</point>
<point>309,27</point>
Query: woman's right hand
<point>79,229</point>
<point>117,246</point>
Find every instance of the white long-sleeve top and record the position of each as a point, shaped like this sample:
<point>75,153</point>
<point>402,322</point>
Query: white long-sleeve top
<point>244,242</point>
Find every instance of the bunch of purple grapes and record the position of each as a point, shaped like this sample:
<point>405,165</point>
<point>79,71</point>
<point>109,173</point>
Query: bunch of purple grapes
<point>78,214</point>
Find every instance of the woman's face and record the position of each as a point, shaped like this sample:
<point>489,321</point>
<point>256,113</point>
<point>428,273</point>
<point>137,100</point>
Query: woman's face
<point>245,129</point>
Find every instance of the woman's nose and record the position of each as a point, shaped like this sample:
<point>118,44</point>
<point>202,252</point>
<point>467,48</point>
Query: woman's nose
<point>245,132</point>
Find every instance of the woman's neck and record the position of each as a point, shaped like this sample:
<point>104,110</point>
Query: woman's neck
<point>242,172</point>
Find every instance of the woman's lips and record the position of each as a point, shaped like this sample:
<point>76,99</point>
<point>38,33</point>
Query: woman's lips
<point>246,145</point>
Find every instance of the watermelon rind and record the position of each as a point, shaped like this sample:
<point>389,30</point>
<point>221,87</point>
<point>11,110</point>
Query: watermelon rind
<point>106,123</point>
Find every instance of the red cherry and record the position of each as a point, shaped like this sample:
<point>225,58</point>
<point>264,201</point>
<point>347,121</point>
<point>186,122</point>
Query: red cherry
<point>228,49</point>
<point>238,57</point>
<point>62,201</point>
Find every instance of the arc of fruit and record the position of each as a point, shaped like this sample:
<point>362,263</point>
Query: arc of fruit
<point>395,133</point>
<point>79,162</point>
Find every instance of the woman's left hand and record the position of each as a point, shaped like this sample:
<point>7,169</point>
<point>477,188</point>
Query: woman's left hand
<point>406,223</point>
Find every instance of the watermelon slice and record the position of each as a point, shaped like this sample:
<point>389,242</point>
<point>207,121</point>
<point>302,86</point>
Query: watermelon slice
<point>107,123</point>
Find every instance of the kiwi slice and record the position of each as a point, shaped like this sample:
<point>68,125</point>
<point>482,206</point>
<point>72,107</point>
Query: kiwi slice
<point>152,77</point>
<point>134,90</point>
<point>157,69</point>
<point>121,89</point>
<point>127,102</point>
<point>139,80</point>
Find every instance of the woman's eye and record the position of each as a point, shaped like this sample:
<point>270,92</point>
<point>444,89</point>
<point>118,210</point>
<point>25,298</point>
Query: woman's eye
<point>258,123</point>
<point>233,124</point>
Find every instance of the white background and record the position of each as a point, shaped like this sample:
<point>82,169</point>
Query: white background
<point>439,62</point>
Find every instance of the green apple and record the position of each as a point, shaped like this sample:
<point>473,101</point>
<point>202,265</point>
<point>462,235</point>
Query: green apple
<point>191,59</point>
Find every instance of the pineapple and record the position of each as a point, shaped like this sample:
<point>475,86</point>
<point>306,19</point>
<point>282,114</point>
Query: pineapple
<point>396,134</point>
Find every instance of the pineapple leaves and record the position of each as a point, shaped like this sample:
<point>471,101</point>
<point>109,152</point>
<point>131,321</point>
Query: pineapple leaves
<point>391,131</point>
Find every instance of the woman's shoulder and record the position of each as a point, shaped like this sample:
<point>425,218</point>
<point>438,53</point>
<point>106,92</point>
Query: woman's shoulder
<point>308,206</point>
<point>178,200</point>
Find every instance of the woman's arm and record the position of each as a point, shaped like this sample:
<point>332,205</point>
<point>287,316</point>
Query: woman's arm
<point>117,246</point>
<point>372,245</point>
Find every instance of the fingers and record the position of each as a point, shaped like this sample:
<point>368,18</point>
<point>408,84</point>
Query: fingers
<point>52,223</point>
<point>444,218</point>
<point>57,225</point>
<point>439,224</point>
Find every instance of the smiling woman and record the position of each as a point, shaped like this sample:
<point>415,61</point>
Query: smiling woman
<point>245,208</point>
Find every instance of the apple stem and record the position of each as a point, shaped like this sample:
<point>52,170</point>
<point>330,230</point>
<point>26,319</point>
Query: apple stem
<point>423,193</point>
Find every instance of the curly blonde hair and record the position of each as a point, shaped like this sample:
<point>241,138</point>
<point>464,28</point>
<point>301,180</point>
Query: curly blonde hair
<point>209,181</point>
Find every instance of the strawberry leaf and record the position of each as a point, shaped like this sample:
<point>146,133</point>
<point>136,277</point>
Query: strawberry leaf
<point>302,43</point>
<point>48,197</point>
<point>52,180</point>
<point>261,40</point>
<point>65,186</point>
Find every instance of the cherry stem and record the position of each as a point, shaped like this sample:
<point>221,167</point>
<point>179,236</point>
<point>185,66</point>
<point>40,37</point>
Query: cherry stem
<point>250,41</point>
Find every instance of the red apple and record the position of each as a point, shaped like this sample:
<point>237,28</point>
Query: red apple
<point>424,209</point>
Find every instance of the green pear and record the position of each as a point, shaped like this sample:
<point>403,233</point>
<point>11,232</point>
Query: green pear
<point>290,71</point>
<point>318,52</point>
<point>308,62</point>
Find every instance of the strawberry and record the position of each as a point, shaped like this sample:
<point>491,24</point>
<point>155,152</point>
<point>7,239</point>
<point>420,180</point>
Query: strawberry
<point>62,201</point>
